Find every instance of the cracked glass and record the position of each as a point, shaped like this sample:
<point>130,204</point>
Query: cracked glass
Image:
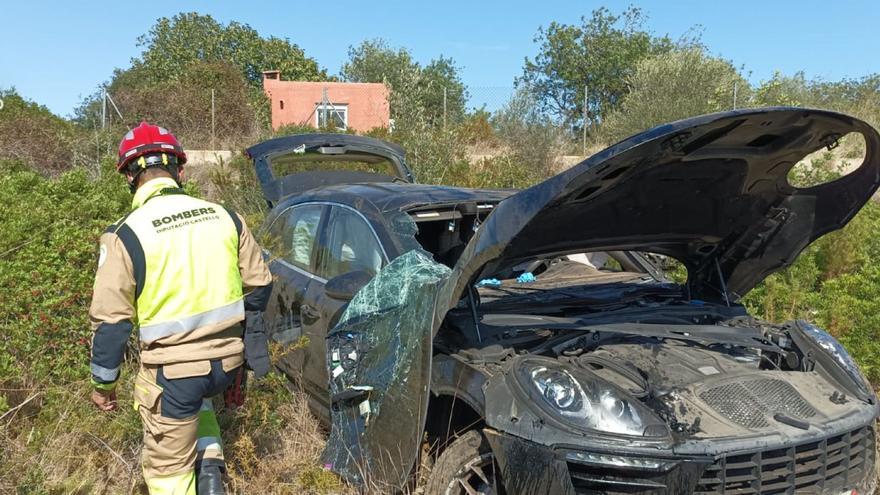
<point>378,359</point>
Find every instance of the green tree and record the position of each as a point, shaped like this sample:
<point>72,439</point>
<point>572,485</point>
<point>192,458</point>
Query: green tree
<point>172,44</point>
<point>184,105</point>
<point>672,86</point>
<point>441,74</point>
<point>529,136</point>
<point>186,56</point>
<point>599,54</point>
<point>782,90</point>
<point>411,83</point>
<point>376,61</point>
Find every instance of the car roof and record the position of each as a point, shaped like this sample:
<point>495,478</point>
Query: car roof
<point>398,196</point>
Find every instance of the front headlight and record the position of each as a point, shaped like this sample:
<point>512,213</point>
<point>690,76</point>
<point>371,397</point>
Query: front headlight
<point>836,350</point>
<point>591,404</point>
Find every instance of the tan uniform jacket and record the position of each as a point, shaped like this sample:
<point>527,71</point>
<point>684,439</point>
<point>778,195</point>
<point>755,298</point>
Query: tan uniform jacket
<point>113,305</point>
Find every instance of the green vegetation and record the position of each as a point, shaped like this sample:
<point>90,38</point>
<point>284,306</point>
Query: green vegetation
<point>599,54</point>
<point>59,191</point>
<point>51,230</point>
<point>173,44</point>
<point>184,104</point>
<point>185,57</point>
<point>53,440</point>
<point>30,133</point>
<point>47,261</point>
<point>411,83</point>
<point>672,86</point>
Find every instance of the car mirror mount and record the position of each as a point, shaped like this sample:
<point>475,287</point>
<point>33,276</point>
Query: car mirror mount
<point>344,287</point>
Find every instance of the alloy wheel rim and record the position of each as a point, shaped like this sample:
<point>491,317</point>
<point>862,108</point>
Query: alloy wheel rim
<point>476,477</point>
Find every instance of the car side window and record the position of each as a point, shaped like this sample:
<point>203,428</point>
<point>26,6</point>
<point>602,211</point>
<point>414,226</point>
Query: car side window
<point>351,245</point>
<point>294,232</point>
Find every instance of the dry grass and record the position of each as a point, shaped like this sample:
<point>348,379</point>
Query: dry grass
<point>275,448</point>
<point>56,442</point>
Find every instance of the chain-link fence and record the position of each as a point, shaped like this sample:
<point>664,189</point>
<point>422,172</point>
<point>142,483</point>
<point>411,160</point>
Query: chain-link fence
<point>206,118</point>
<point>489,98</point>
<point>437,126</point>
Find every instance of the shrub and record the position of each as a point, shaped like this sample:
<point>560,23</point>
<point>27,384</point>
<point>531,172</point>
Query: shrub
<point>672,86</point>
<point>235,184</point>
<point>47,262</point>
<point>529,138</point>
<point>34,136</point>
<point>834,283</point>
<point>183,104</point>
<point>48,251</point>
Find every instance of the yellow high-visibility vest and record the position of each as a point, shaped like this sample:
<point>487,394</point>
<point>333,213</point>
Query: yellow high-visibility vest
<point>188,275</point>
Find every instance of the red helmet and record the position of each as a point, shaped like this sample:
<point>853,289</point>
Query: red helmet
<point>146,139</point>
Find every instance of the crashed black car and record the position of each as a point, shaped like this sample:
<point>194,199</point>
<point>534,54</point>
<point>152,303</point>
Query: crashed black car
<point>531,341</point>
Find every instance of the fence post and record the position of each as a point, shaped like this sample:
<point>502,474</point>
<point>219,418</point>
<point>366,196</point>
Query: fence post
<point>444,108</point>
<point>110,98</point>
<point>213,145</point>
<point>586,115</point>
<point>734,94</point>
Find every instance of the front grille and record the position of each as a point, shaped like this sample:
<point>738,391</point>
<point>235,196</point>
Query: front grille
<point>836,463</point>
<point>750,403</point>
<point>587,480</point>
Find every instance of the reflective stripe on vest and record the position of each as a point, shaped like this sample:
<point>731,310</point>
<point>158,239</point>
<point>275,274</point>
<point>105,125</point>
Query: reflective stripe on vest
<point>190,263</point>
<point>156,331</point>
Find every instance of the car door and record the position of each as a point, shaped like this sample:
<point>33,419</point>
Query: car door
<point>347,243</point>
<point>291,242</point>
<point>380,355</point>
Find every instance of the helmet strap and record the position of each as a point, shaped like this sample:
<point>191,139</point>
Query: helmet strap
<point>165,161</point>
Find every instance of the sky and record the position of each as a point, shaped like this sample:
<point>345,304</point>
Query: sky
<point>56,53</point>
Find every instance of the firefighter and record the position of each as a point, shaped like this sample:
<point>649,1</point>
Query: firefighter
<point>184,271</point>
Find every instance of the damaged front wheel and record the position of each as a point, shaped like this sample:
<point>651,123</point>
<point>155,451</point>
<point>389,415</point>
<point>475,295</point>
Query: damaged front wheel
<point>466,467</point>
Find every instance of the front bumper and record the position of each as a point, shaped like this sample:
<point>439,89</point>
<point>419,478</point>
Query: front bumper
<point>835,465</point>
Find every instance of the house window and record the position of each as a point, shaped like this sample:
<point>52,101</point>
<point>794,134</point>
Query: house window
<point>282,104</point>
<point>331,114</point>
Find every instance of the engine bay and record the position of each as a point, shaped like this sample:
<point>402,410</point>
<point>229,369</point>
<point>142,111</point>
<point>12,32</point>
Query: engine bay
<point>733,377</point>
<point>618,340</point>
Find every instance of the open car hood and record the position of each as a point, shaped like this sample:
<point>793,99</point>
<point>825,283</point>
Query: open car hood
<point>710,191</point>
<point>327,146</point>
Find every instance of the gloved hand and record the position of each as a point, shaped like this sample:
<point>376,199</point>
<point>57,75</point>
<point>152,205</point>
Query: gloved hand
<point>489,282</point>
<point>105,400</point>
<point>233,396</point>
<point>256,344</point>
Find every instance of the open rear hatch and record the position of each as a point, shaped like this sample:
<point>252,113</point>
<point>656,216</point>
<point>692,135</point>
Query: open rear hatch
<point>297,163</point>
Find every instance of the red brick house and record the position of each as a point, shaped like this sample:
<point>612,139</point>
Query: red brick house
<point>358,106</point>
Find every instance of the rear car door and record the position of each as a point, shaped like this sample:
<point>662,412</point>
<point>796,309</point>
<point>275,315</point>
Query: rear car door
<point>347,243</point>
<point>291,242</point>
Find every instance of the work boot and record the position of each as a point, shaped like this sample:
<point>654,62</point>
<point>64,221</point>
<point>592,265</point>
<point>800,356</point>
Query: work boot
<point>211,481</point>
